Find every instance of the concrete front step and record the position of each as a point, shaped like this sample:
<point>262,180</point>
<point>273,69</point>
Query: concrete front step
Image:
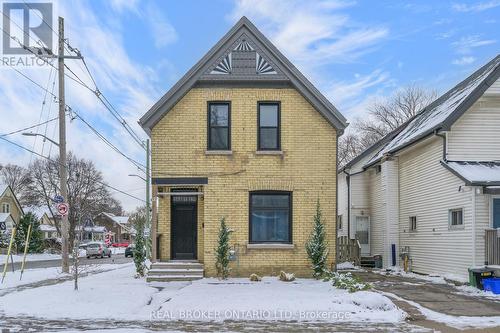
<point>169,278</point>
<point>171,271</point>
<point>174,270</point>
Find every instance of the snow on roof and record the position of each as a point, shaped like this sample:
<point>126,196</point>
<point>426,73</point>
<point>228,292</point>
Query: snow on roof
<point>3,187</point>
<point>46,227</point>
<point>438,112</point>
<point>4,217</point>
<point>117,219</point>
<point>476,173</point>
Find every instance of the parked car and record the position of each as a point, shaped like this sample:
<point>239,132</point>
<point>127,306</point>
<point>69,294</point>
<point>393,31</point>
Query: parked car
<point>98,249</point>
<point>129,251</point>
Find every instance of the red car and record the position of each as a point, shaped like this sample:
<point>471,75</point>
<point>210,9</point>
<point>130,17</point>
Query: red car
<point>124,244</point>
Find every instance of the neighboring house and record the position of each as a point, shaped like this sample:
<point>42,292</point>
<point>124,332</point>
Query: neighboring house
<point>432,187</point>
<point>48,231</point>
<point>118,227</point>
<point>245,136</point>
<point>9,204</point>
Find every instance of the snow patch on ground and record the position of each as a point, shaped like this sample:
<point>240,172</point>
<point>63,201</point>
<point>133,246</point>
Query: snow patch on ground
<point>434,278</point>
<point>41,274</point>
<point>108,296</point>
<point>36,257</point>
<point>271,299</point>
<point>473,291</point>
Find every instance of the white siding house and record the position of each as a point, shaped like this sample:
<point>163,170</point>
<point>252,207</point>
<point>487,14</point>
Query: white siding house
<point>432,186</point>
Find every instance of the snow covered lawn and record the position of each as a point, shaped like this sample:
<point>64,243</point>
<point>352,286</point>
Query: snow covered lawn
<point>40,274</point>
<point>118,295</point>
<point>36,257</point>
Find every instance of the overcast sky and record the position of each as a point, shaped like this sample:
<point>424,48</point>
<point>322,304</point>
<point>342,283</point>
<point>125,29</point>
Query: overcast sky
<point>354,51</point>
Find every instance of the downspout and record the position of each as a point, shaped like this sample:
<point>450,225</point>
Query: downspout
<point>445,144</point>
<point>336,202</point>
<point>473,226</point>
<point>348,182</point>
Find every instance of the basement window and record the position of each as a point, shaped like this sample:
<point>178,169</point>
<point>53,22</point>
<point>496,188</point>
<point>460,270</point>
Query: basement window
<point>413,223</point>
<point>456,218</point>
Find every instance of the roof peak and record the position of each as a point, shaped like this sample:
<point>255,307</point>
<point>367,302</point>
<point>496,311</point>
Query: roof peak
<point>244,54</point>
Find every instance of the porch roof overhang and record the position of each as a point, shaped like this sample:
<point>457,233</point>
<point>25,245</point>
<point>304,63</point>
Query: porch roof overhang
<point>475,173</point>
<point>183,181</point>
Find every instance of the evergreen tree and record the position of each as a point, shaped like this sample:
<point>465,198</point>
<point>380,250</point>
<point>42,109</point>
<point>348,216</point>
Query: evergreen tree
<point>36,238</point>
<point>316,246</point>
<point>222,251</point>
<point>139,220</point>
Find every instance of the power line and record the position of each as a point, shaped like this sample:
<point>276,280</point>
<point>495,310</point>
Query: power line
<point>30,127</point>
<point>101,136</point>
<point>107,104</point>
<point>65,166</point>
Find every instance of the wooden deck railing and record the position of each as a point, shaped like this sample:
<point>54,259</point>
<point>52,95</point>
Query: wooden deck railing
<point>492,246</point>
<point>349,250</point>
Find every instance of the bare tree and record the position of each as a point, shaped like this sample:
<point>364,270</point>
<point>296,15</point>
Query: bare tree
<point>16,177</point>
<point>384,117</point>
<point>87,192</point>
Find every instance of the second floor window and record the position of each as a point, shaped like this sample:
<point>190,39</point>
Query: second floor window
<point>219,126</point>
<point>268,126</point>
<point>5,208</point>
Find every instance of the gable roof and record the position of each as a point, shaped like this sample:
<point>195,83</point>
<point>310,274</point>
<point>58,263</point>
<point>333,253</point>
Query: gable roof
<point>3,190</point>
<point>440,114</point>
<point>270,66</point>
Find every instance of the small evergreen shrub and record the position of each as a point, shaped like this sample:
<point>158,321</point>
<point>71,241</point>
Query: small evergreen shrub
<point>317,247</point>
<point>222,251</point>
<point>347,281</point>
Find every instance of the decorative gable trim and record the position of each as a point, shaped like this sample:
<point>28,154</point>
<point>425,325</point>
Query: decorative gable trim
<point>244,42</point>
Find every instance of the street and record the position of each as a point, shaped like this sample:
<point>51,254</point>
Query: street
<point>115,259</point>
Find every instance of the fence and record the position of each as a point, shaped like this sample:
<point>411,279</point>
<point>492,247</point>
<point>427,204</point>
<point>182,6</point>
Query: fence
<point>348,250</point>
<point>492,246</point>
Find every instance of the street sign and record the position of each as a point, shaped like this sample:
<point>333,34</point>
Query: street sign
<point>63,209</point>
<point>58,199</point>
<point>3,226</point>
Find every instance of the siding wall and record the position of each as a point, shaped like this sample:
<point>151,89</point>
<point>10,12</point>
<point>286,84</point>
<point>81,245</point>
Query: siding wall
<point>377,212</point>
<point>476,135</point>
<point>428,191</point>
<point>343,203</point>
<point>390,179</point>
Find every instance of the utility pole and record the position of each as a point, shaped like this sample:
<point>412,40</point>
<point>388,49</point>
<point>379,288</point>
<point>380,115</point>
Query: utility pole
<point>63,173</point>
<point>148,185</point>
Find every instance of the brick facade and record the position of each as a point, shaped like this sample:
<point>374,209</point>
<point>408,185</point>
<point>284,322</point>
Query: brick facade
<point>306,166</point>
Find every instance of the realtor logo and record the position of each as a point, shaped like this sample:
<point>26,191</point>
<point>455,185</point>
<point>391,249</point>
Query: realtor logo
<point>28,23</point>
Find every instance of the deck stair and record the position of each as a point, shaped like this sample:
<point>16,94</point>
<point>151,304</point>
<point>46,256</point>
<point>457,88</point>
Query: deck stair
<point>175,270</point>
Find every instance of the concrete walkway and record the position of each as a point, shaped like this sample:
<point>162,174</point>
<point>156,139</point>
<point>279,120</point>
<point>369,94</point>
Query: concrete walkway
<point>441,298</point>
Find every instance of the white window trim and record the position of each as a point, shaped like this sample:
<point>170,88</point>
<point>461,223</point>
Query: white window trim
<point>458,226</point>
<point>491,208</point>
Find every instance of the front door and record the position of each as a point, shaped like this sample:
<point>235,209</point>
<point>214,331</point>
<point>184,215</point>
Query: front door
<point>496,213</point>
<point>184,233</point>
<point>363,234</point>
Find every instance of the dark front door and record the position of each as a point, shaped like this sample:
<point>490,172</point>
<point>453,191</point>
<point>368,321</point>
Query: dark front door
<point>184,233</point>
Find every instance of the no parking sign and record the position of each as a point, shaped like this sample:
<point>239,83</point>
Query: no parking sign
<point>63,209</point>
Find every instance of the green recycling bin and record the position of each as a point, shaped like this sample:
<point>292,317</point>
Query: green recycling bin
<point>476,276</point>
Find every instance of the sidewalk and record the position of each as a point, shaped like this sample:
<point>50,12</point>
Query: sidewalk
<point>442,298</point>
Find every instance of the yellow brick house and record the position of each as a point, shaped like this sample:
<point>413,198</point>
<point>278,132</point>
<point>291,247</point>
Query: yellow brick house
<point>245,136</point>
